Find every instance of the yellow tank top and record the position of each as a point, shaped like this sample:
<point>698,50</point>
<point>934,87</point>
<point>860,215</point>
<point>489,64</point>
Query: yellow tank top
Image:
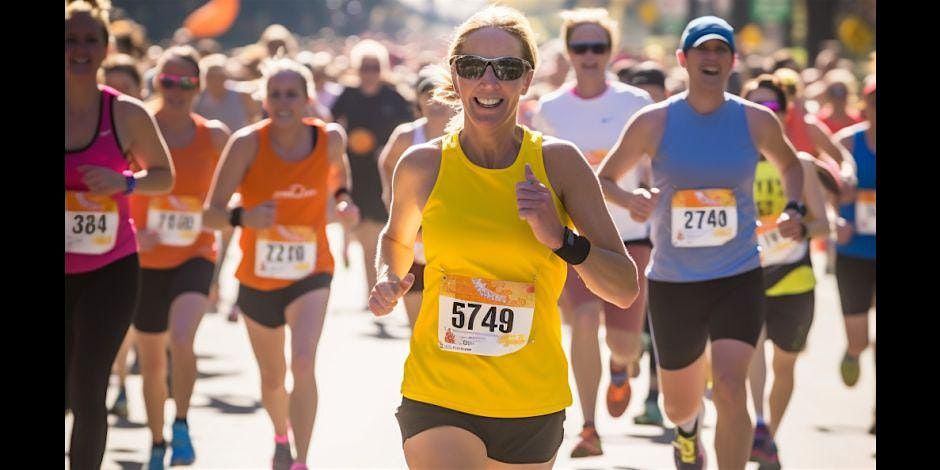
<point>791,278</point>
<point>488,337</point>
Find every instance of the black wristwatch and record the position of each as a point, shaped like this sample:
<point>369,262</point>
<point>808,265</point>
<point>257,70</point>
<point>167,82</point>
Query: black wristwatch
<point>800,208</point>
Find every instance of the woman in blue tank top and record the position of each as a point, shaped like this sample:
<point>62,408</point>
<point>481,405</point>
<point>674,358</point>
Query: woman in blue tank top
<point>705,280</point>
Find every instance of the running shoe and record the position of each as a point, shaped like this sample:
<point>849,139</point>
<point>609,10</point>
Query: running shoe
<point>182,446</point>
<point>119,408</point>
<point>688,452</point>
<point>283,459</point>
<point>618,396</point>
<point>157,456</point>
<point>651,414</point>
<point>764,449</point>
<point>850,370</point>
<point>590,444</point>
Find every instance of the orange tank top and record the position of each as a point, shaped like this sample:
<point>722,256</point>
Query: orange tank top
<point>177,216</point>
<point>295,247</point>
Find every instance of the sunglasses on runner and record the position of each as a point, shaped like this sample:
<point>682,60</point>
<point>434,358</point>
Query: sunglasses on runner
<point>773,105</point>
<point>472,67</point>
<point>597,48</point>
<point>169,81</point>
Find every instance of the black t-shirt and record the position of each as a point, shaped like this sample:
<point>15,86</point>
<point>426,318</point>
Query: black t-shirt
<point>370,121</point>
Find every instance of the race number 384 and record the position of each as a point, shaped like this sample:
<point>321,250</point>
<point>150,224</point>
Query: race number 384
<point>90,223</point>
<point>484,316</point>
<point>703,217</point>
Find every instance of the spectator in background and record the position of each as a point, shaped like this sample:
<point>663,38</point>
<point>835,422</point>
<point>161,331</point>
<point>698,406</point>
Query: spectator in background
<point>277,36</point>
<point>369,113</point>
<point>838,110</point>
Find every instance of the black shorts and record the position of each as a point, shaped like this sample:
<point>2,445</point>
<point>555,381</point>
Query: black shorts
<point>535,439</point>
<point>418,270</point>
<point>789,318</point>
<point>856,280</point>
<point>684,315</point>
<point>160,287</point>
<point>639,241</point>
<point>267,306</point>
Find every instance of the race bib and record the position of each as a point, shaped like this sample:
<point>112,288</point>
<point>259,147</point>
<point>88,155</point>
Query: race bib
<point>483,316</point>
<point>774,247</point>
<point>178,219</point>
<point>865,212</point>
<point>90,223</point>
<point>285,252</point>
<point>703,217</point>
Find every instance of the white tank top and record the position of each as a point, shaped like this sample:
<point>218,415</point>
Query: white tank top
<point>594,126</point>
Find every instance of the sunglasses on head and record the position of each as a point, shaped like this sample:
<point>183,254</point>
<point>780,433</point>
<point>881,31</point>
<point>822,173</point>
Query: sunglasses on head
<point>595,47</point>
<point>773,105</point>
<point>472,67</point>
<point>169,81</point>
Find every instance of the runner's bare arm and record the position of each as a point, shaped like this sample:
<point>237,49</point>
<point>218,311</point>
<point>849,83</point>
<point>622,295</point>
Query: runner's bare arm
<point>608,270</point>
<point>412,182</point>
<point>823,140</point>
<point>816,221</point>
<point>640,138</point>
<point>139,134</point>
<point>238,155</point>
<point>771,141</point>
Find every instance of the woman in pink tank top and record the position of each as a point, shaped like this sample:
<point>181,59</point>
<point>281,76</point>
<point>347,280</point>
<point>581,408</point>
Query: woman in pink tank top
<point>101,266</point>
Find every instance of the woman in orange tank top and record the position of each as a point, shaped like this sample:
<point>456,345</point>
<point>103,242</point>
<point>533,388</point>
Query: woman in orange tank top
<point>177,255</point>
<point>284,168</point>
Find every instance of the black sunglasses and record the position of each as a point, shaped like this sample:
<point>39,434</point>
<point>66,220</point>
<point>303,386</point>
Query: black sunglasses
<point>472,67</point>
<point>595,47</point>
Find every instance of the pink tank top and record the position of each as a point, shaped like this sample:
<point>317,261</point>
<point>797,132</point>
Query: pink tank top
<point>104,150</point>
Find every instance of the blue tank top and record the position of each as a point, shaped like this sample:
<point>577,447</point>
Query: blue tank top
<point>712,151</point>
<point>860,246</point>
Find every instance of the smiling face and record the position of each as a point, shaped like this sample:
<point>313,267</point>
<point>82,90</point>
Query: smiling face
<point>589,62</point>
<point>487,101</point>
<point>85,45</point>
<point>286,98</point>
<point>174,95</point>
<point>709,64</point>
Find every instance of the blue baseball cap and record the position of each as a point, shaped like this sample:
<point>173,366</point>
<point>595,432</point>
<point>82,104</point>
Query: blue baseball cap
<point>705,28</point>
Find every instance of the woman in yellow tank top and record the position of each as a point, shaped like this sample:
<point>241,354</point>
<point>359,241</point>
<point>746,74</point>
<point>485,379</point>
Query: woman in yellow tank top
<point>486,382</point>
